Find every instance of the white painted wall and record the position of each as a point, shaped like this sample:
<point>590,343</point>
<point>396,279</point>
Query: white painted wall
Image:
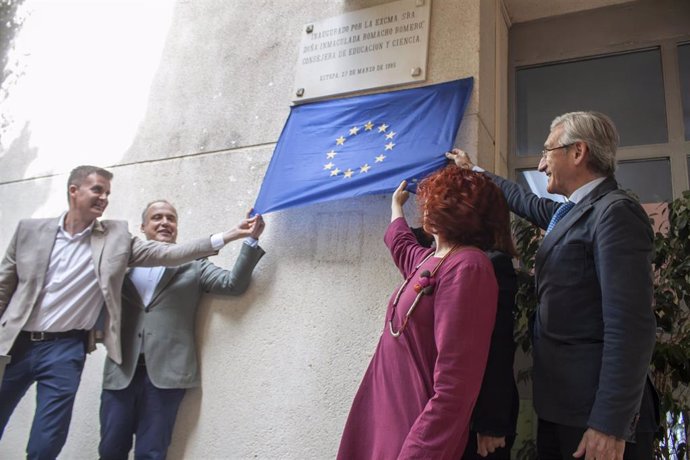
<point>184,100</point>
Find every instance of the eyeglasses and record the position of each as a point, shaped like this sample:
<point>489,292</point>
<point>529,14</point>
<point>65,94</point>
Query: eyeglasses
<point>546,151</point>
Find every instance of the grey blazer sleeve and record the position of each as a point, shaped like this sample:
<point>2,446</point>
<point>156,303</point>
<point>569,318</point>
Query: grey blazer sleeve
<point>8,274</point>
<point>153,253</point>
<point>216,280</point>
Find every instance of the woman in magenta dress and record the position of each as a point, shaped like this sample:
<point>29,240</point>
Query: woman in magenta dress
<point>417,396</point>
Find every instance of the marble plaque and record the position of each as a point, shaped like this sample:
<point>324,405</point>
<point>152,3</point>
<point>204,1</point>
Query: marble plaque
<point>370,48</point>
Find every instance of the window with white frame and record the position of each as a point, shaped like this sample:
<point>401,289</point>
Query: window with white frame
<point>631,62</point>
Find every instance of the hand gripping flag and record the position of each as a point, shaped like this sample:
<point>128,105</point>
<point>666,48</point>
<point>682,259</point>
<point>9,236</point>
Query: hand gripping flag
<point>362,145</point>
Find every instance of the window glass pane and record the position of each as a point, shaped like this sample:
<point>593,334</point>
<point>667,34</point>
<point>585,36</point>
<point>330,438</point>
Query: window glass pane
<point>684,69</point>
<point>520,178</point>
<point>627,87</point>
<point>650,180</point>
<point>536,182</point>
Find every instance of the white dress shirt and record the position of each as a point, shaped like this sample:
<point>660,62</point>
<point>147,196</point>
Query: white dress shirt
<point>71,297</point>
<point>583,191</point>
<point>145,279</point>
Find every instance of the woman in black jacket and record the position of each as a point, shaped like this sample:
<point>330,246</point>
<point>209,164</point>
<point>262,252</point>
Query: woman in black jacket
<point>495,414</point>
<point>494,419</point>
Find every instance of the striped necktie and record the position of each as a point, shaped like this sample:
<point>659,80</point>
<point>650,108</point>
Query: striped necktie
<point>558,215</point>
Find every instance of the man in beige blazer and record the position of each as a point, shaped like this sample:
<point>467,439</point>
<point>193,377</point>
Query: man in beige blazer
<point>60,281</point>
<point>142,394</point>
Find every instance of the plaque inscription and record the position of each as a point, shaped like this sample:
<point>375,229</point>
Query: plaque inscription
<point>374,47</point>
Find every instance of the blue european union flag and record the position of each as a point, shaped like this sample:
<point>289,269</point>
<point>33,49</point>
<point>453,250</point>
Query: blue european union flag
<point>362,145</point>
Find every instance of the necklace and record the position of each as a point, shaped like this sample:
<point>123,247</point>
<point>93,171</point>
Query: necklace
<point>425,286</point>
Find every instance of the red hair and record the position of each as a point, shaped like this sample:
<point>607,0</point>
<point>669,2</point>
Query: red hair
<point>464,207</point>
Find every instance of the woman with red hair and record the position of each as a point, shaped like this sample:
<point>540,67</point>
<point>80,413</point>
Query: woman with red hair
<point>417,395</point>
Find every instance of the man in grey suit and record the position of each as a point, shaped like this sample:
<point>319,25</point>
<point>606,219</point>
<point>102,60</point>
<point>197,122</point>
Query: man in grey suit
<point>60,288</point>
<point>594,328</point>
<point>141,395</point>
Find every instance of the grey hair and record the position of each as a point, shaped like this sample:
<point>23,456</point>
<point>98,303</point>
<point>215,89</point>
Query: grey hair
<point>597,131</point>
<point>150,203</point>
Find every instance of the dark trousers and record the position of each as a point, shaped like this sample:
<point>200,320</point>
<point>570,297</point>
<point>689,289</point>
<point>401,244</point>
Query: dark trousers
<point>56,367</point>
<point>140,410</point>
<point>502,453</point>
<point>556,442</point>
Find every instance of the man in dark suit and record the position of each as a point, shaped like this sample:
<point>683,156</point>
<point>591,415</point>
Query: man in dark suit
<point>60,283</point>
<point>141,395</point>
<point>594,328</point>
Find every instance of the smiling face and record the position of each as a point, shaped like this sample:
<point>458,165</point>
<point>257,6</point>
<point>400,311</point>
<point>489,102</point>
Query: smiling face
<point>160,222</point>
<point>556,164</point>
<point>89,199</point>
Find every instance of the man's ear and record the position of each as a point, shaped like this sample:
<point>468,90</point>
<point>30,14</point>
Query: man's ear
<point>581,152</point>
<point>72,190</point>
<point>141,227</point>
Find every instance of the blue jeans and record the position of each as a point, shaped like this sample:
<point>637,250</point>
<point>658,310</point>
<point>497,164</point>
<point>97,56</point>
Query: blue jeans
<point>143,410</point>
<point>56,367</point>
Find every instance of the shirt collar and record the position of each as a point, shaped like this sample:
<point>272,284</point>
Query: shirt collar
<point>583,191</point>
<point>83,233</point>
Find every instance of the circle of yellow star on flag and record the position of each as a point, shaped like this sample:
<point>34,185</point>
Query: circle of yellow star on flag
<point>350,172</point>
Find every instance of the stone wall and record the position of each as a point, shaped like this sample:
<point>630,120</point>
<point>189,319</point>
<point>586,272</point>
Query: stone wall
<point>184,100</point>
